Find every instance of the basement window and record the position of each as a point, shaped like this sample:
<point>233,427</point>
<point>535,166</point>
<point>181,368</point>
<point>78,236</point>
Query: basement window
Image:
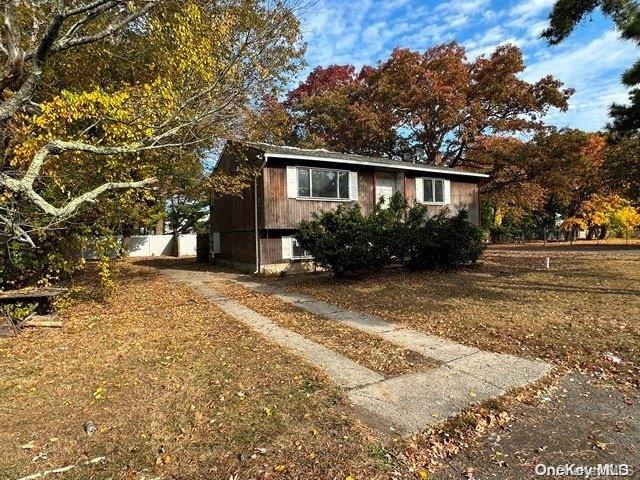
<point>297,252</point>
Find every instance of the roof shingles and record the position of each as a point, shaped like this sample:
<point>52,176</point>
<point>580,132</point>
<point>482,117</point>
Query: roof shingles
<point>321,154</point>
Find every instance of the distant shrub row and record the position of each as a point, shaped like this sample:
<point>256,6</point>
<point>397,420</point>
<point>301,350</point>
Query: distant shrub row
<point>346,241</point>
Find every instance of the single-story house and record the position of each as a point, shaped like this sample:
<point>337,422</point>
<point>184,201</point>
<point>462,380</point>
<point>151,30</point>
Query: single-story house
<point>256,232</point>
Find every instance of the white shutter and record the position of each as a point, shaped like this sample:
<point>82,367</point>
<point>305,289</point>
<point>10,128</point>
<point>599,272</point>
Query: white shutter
<point>447,192</point>
<point>419,190</point>
<point>216,243</point>
<point>287,248</point>
<point>292,182</point>
<point>353,186</point>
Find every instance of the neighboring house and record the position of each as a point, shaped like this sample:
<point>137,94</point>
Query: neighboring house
<point>256,232</point>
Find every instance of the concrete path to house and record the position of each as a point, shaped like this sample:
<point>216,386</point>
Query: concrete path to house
<point>402,404</point>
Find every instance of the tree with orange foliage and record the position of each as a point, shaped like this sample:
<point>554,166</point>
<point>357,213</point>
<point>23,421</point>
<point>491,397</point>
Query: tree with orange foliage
<point>434,106</point>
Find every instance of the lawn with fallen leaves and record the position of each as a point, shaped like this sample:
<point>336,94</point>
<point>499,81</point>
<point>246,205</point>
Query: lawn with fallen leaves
<point>582,313</point>
<point>175,389</point>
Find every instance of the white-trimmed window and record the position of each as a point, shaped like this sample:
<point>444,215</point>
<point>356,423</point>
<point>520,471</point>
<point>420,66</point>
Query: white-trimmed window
<point>433,191</point>
<point>323,183</point>
<point>292,250</point>
<point>311,183</point>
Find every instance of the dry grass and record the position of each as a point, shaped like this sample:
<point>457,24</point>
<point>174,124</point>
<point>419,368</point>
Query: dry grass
<point>368,350</point>
<point>176,389</point>
<point>586,307</point>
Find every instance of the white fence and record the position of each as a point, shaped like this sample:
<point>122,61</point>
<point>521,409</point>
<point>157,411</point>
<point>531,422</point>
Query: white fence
<point>153,246</point>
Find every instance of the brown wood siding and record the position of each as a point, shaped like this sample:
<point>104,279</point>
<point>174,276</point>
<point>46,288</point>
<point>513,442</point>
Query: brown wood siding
<point>464,196</point>
<point>410,188</point>
<point>270,250</point>
<point>282,212</point>
<point>234,213</point>
<point>233,216</point>
<point>366,190</point>
<point>238,247</point>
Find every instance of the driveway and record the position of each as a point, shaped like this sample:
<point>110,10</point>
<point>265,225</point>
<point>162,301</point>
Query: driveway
<point>403,404</point>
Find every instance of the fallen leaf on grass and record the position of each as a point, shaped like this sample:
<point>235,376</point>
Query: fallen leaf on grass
<point>99,393</point>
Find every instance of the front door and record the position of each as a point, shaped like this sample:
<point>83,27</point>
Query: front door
<point>386,186</point>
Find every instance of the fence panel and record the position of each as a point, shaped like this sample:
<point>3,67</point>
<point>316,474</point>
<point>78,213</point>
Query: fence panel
<point>151,246</point>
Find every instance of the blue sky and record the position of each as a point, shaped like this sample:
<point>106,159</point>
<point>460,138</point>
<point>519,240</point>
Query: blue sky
<point>363,32</point>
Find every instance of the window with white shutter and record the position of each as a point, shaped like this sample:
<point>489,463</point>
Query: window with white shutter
<point>292,182</point>
<point>308,183</point>
<point>216,243</point>
<point>433,191</point>
<point>353,186</point>
<point>292,250</point>
<point>287,253</point>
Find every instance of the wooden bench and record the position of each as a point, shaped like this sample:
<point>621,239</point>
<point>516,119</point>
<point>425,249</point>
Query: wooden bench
<point>45,315</point>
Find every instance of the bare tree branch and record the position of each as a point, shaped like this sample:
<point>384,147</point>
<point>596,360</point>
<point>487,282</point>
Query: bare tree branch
<point>19,233</point>
<point>57,147</point>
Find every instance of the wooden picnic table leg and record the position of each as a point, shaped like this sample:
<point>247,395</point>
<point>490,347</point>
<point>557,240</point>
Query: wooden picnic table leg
<point>44,307</point>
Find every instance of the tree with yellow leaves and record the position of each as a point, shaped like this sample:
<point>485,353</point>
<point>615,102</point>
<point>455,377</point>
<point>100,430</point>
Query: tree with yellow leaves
<point>103,95</point>
<point>601,213</point>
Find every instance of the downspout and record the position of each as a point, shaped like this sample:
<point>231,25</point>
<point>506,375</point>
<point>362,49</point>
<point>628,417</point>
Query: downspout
<point>255,216</point>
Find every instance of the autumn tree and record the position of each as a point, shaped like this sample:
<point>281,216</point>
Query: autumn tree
<point>432,107</point>
<point>598,214</point>
<point>448,104</point>
<point>333,108</point>
<point>622,167</point>
<point>107,95</point>
<point>550,174</point>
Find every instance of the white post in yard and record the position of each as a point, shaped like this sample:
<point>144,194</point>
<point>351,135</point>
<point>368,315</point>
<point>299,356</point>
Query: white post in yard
<point>546,263</point>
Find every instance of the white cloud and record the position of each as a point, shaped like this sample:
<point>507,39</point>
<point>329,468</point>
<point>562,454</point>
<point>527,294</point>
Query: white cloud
<point>593,69</point>
<point>463,7</point>
<point>530,8</point>
<point>536,29</point>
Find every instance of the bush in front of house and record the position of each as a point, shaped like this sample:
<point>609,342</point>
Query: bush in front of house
<point>440,241</point>
<point>387,227</point>
<point>340,241</point>
<point>345,241</point>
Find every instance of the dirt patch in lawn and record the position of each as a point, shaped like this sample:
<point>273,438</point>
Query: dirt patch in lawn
<point>584,312</point>
<point>176,389</point>
<point>367,350</point>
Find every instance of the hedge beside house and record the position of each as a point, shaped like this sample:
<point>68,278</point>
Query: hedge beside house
<point>345,241</point>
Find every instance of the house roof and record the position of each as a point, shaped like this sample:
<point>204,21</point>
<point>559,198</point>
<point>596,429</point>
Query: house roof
<point>322,155</point>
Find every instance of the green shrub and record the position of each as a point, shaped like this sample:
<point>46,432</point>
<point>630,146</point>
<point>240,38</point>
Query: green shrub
<point>346,241</point>
<point>387,227</point>
<point>501,234</point>
<point>441,242</point>
<point>341,241</point>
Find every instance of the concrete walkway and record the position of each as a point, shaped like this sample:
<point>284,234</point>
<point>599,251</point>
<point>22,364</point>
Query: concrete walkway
<point>403,404</point>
